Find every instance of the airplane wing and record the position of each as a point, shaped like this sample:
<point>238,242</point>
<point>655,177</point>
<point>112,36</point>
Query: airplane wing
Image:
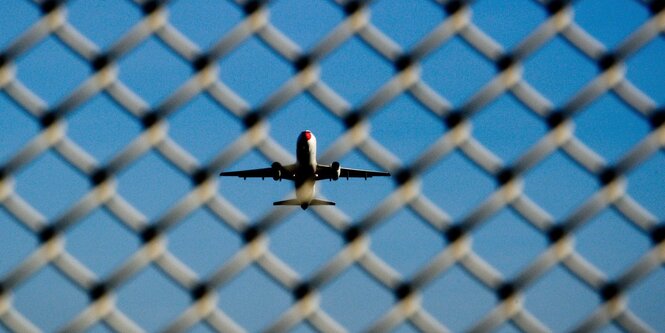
<point>328,172</point>
<point>286,173</point>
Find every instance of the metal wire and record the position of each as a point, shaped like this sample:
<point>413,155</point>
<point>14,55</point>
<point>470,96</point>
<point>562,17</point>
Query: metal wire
<point>407,306</point>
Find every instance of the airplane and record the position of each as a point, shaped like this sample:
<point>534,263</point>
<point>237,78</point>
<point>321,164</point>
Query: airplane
<point>305,172</point>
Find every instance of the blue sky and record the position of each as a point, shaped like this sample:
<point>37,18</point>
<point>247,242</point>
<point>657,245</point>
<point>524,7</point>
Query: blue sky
<point>402,126</point>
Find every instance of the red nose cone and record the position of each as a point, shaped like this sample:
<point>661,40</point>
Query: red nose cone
<point>308,135</point>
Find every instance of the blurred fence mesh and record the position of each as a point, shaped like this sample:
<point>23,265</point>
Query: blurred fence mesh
<point>305,290</point>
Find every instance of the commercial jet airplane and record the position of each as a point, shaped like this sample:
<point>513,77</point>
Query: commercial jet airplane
<point>305,172</point>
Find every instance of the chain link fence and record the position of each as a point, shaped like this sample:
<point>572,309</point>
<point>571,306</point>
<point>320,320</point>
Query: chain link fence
<point>407,307</point>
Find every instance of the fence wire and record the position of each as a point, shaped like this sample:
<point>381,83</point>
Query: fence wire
<point>459,137</point>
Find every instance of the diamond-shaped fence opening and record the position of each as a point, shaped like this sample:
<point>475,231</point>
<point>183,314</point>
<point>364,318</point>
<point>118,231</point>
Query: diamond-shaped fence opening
<point>610,128</point>
<point>445,182</point>
<point>418,128</point>
<point>354,57</point>
<point>502,229</point>
<point>509,23</point>
<point>253,71</point>
<point>305,244</point>
<point>151,299</point>
<point>558,71</point>
<point>319,17</point>
<point>648,177</point>
<point>606,30</point>
<point>253,300</point>
<point>525,141</point>
<point>350,288</point>
<point>201,120</point>
<point>15,240</point>
<point>153,71</point>
<point>406,252</point>
<point>606,234</point>
<point>456,299</point>
<point>642,75</point>
<point>396,21</point>
<point>17,128</point>
<point>44,191</point>
<point>102,128</point>
<point>36,74</point>
<point>202,233</point>
<point>550,301</point>
<point>204,22</point>
<point>42,293</point>
<point>455,71</point>
<point>115,244</point>
<point>117,19</point>
<point>496,126</point>
<point>559,196</point>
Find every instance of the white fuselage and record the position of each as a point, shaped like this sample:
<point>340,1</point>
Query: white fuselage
<point>306,167</point>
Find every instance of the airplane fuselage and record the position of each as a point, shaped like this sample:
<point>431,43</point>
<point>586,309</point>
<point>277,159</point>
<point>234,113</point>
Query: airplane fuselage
<point>305,177</point>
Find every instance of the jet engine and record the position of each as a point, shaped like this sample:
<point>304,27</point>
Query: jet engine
<point>276,171</point>
<point>335,170</point>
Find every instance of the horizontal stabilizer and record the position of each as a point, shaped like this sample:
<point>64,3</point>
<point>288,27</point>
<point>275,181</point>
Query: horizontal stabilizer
<point>303,205</point>
<point>295,202</point>
<point>290,202</point>
<point>319,202</point>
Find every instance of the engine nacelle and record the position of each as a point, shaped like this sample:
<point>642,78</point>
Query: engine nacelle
<point>335,170</point>
<point>276,171</point>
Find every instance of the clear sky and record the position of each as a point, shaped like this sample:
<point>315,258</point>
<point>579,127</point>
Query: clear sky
<point>354,71</point>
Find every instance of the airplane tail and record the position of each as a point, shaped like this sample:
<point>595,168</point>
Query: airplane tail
<point>295,202</point>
